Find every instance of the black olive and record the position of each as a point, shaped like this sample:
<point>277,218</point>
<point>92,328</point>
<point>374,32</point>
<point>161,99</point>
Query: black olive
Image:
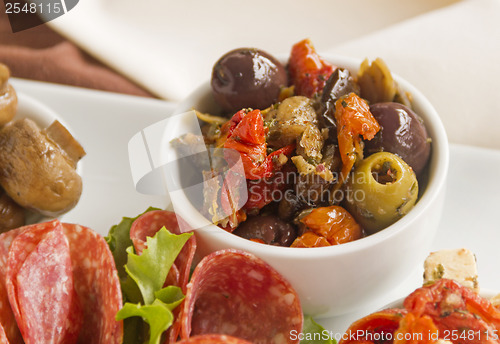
<point>289,205</point>
<point>247,78</point>
<point>268,228</point>
<point>402,133</point>
<point>312,189</point>
<point>340,83</point>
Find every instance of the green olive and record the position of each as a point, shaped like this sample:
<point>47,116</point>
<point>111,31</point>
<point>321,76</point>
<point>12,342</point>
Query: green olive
<point>381,190</point>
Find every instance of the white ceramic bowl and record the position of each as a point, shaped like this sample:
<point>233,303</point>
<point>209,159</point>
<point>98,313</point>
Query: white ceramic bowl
<point>33,109</point>
<point>337,279</point>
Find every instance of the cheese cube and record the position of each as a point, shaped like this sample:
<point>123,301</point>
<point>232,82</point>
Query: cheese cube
<point>456,264</point>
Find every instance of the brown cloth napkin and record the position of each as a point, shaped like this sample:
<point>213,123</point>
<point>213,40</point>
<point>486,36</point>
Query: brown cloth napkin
<point>42,54</point>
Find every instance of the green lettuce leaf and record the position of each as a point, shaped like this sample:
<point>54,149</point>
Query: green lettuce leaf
<point>314,333</point>
<point>150,269</point>
<point>118,240</point>
<point>172,296</point>
<point>145,276</point>
<point>158,315</point>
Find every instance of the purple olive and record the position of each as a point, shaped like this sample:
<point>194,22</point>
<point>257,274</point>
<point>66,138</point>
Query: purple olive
<point>247,78</point>
<point>402,133</point>
<point>268,228</point>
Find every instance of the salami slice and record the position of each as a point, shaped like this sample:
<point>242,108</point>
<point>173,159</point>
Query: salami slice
<point>3,336</point>
<point>213,339</point>
<point>7,319</point>
<point>27,238</point>
<point>40,286</point>
<point>96,284</point>
<point>235,293</point>
<point>151,222</point>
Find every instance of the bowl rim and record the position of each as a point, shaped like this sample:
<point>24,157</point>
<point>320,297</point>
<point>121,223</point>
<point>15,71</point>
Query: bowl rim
<point>435,185</point>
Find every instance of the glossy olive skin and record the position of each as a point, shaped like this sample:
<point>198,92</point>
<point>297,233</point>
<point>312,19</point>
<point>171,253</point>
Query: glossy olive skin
<point>311,189</point>
<point>289,205</point>
<point>247,78</point>
<point>381,190</point>
<point>339,84</point>
<point>402,133</point>
<point>268,228</point>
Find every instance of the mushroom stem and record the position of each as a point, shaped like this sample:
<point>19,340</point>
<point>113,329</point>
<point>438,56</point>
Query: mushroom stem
<point>63,138</point>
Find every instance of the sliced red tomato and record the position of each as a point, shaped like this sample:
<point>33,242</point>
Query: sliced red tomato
<point>308,71</point>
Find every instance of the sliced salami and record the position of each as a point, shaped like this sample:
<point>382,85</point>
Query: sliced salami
<point>213,339</point>
<point>28,237</point>
<point>3,336</point>
<point>7,319</point>
<point>151,222</point>
<point>235,293</point>
<point>96,284</point>
<point>40,286</point>
<point>72,257</point>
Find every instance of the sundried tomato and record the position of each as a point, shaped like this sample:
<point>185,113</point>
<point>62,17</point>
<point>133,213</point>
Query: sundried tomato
<point>307,70</point>
<point>354,120</point>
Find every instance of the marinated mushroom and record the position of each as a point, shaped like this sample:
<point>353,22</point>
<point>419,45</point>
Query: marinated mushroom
<point>37,167</point>
<point>8,97</point>
<point>11,214</point>
<point>294,122</point>
<point>376,82</point>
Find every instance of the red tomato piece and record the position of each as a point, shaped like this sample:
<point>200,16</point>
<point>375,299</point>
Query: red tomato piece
<point>380,325</point>
<point>308,71</point>
<point>354,120</point>
<point>416,330</point>
<point>456,309</point>
<point>310,239</point>
<point>334,223</point>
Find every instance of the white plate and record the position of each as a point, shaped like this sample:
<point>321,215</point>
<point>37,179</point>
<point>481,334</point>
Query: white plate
<point>142,39</point>
<point>104,123</point>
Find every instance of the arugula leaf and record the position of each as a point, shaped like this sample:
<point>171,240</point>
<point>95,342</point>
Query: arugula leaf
<point>118,240</point>
<point>150,269</point>
<point>158,315</point>
<point>314,333</point>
